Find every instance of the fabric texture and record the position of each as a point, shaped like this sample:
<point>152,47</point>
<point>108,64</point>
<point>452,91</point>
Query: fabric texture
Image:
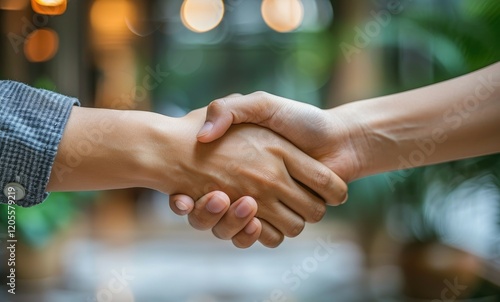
<point>32,123</point>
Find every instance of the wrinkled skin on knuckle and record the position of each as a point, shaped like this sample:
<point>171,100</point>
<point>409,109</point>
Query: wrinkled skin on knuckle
<point>265,107</point>
<point>322,178</point>
<point>239,244</point>
<point>270,179</point>
<point>220,234</point>
<point>295,228</point>
<point>318,214</point>
<point>273,241</point>
<point>217,105</point>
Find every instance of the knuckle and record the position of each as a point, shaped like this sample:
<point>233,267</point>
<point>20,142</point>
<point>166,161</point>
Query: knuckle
<point>271,240</point>
<point>270,178</point>
<point>216,105</point>
<point>319,212</point>
<point>322,177</point>
<point>264,98</point>
<point>240,243</point>
<point>261,94</point>
<point>295,228</point>
<point>221,234</point>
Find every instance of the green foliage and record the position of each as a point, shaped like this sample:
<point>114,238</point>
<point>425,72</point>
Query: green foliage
<point>465,41</point>
<point>36,225</point>
<point>45,83</point>
<point>461,39</point>
<point>471,31</point>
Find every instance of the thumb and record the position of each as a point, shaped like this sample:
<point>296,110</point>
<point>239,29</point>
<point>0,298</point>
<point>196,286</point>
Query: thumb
<point>222,113</point>
<point>181,204</point>
<point>219,118</point>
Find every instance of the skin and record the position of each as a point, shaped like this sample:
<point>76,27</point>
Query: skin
<point>110,149</point>
<point>452,120</point>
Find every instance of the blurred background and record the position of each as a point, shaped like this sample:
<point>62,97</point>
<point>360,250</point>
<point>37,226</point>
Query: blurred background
<point>435,236</point>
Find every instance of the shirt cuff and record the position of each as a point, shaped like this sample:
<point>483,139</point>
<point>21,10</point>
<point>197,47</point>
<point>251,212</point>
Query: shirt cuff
<point>32,123</point>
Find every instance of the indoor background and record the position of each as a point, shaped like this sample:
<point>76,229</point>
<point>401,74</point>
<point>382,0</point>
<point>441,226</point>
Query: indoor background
<point>437,230</point>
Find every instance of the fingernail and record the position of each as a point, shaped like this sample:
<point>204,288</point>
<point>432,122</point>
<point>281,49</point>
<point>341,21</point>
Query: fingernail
<point>205,129</point>
<point>215,205</point>
<point>243,209</point>
<point>345,200</point>
<point>251,228</point>
<point>181,205</point>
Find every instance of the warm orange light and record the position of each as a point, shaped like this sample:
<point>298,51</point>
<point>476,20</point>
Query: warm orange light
<point>202,15</point>
<point>41,45</point>
<point>283,15</point>
<point>13,4</point>
<point>109,16</point>
<point>49,7</point>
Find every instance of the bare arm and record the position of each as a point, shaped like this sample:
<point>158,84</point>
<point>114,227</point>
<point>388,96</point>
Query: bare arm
<point>109,149</point>
<point>447,121</point>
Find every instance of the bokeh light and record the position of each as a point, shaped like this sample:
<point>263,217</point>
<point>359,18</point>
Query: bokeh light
<point>202,15</point>
<point>49,7</point>
<point>109,16</point>
<point>318,15</point>
<point>41,45</point>
<point>283,15</point>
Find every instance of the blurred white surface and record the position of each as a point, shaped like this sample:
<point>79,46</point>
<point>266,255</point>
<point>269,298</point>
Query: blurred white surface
<point>209,270</point>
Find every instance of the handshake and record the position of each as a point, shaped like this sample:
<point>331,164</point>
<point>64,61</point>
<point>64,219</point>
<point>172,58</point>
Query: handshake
<point>259,166</point>
<point>267,182</point>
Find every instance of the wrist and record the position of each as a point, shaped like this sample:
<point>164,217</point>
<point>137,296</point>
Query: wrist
<point>379,133</point>
<point>352,130</point>
<point>160,155</point>
<point>104,149</point>
<point>137,147</point>
<point>172,152</point>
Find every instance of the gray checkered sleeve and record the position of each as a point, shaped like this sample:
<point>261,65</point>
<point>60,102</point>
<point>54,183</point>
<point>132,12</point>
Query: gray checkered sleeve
<point>32,122</point>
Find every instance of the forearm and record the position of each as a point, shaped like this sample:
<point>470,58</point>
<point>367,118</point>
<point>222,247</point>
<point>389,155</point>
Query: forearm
<point>447,121</point>
<point>111,149</point>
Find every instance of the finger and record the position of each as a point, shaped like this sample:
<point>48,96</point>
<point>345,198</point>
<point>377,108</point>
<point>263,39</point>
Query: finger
<point>303,202</point>
<point>296,202</point>
<point>270,236</point>
<point>316,176</point>
<point>240,213</point>
<point>233,95</point>
<point>281,217</point>
<point>208,210</point>
<point>181,204</point>
<point>221,113</point>
<point>249,235</point>
<point>214,111</point>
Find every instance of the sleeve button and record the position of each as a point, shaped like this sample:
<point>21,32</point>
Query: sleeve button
<point>18,190</point>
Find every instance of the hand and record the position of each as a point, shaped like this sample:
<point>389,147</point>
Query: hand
<point>112,149</point>
<point>306,126</point>
<point>214,211</point>
<point>378,135</point>
<point>266,167</point>
<point>314,131</point>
